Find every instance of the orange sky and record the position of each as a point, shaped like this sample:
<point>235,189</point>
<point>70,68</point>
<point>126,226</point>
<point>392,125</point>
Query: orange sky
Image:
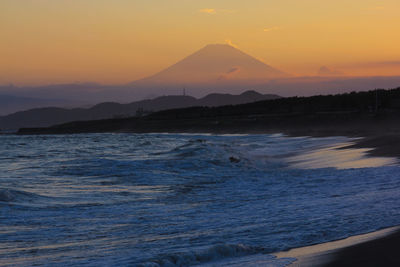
<point>118,41</point>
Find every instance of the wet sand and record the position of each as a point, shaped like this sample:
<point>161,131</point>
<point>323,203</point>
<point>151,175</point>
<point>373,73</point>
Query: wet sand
<point>382,145</point>
<point>380,248</point>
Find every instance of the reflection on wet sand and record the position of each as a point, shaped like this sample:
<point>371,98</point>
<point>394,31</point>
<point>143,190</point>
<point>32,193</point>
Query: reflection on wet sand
<point>337,156</point>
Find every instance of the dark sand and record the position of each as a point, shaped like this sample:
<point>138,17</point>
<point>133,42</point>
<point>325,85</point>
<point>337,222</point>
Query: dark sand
<point>380,248</point>
<point>382,145</point>
<point>384,251</point>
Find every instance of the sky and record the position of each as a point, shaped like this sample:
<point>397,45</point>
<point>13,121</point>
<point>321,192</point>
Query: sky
<point>119,41</point>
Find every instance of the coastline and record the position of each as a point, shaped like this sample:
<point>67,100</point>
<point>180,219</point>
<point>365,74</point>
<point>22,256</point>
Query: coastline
<point>379,144</point>
<point>383,141</point>
<point>380,132</point>
<point>371,249</point>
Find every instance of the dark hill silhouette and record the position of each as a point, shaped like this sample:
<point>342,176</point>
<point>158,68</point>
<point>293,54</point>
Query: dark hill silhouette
<point>213,100</point>
<point>43,117</point>
<point>373,115</point>
<point>354,114</point>
<point>351,114</point>
<point>12,103</point>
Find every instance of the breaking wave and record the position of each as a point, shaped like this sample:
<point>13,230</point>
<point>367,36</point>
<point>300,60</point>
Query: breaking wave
<point>182,200</point>
<point>214,253</point>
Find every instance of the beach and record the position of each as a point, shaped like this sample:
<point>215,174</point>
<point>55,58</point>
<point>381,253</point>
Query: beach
<point>376,135</point>
<point>378,248</point>
<point>199,133</point>
<point>284,192</point>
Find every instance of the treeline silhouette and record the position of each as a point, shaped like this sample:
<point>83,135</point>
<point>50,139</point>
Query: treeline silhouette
<point>348,114</point>
<point>379,100</point>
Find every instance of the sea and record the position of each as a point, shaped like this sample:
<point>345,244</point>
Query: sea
<point>185,199</point>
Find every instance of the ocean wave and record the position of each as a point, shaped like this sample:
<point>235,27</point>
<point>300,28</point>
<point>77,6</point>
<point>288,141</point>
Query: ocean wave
<point>213,253</point>
<point>17,196</point>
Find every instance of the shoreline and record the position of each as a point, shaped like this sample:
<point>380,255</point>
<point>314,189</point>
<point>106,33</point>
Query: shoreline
<point>381,131</point>
<point>376,248</point>
<point>359,250</point>
<point>380,145</point>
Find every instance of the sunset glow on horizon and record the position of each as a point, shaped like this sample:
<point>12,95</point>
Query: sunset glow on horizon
<point>119,41</point>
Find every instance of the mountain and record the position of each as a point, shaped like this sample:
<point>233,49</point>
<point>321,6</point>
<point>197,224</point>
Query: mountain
<point>215,100</point>
<point>214,68</point>
<point>43,117</point>
<point>12,103</point>
<point>325,71</point>
<point>216,63</point>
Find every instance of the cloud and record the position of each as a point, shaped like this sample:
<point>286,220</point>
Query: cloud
<point>233,70</point>
<point>229,42</point>
<point>325,71</point>
<point>376,8</point>
<point>271,29</point>
<point>377,64</point>
<point>229,74</point>
<point>388,63</point>
<point>228,11</point>
<point>210,11</point>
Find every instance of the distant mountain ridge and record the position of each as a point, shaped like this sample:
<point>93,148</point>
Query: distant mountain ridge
<point>12,103</point>
<point>215,63</point>
<point>44,117</point>
<point>216,68</point>
<point>350,114</point>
